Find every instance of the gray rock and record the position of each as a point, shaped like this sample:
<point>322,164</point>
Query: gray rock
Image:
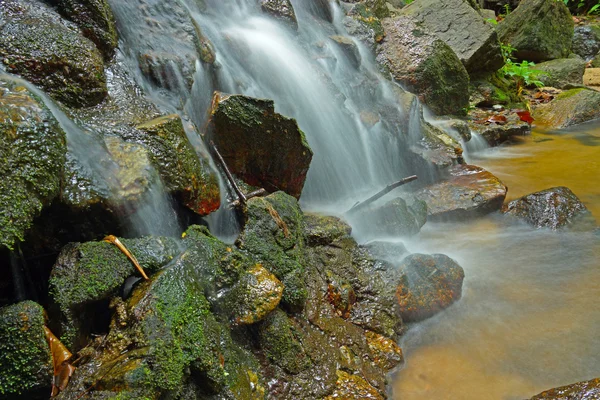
<point>562,72</point>
<point>474,41</point>
<point>586,41</point>
<point>496,134</point>
<point>361,23</point>
<point>349,48</point>
<point>281,9</point>
<point>571,107</point>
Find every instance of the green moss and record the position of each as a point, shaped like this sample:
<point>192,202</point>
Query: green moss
<point>569,93</point>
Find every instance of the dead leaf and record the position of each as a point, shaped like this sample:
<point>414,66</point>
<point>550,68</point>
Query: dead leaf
<point>525,116</point>
<point>114,240</point>
<point>497,119</point>
<point>63,370</point>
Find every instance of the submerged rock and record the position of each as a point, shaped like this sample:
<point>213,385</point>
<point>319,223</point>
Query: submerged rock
<point>562,73</point>
<point>428,284</point>
<point>281,9</point>
<point>262,147</point>
<point>539,30</point>
<point>474,41</point>
<point>33,149</point>
<point>394,218</point>
<point>569,108</point>
<point>51,55</point>
<point>553,208</point>
<point>25,359</point>
<point>349,48</point>
<point>586,390</point>
<point>469,191</point>
<point>425,65</point>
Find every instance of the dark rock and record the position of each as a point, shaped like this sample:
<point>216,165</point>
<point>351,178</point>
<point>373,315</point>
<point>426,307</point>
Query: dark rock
<point>25,358</point>
<point>496,134</point>
<point>586,390</point>
<point>571,107</point>
<point>427,285</point>
<point>425,65</point>
<point>51,55</point>
<point>85,274</point>
<point>323,230</point>
<point>586,41</point>
<point>391,252</point>
<point>262,147</point>
<point>96,21</point>
<point>349,48</point>
<point>364,25</point>
<point>33,152</point>
<point>469,191</point>
<point>539,30</point>
<point>281,9</point>
<point>490,91</point>
<point>455,22</point>
<point>562,72</point>
<point>394,218</point>
<point>553,208</point>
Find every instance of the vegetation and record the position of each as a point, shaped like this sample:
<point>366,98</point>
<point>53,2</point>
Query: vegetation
<point>522,73</point>
<point>581,7</point>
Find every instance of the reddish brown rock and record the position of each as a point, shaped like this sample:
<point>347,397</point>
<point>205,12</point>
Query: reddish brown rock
<point>353,387</point>
<point>469,191</point>
<point>587,390</point>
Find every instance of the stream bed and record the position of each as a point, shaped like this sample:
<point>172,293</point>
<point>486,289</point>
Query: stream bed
<point>529,318</point>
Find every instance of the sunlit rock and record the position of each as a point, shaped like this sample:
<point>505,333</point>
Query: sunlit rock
<point>25,358</point>
<point>561,73</point>
<point>553,208</point>
<point>469,191</point>
<point>281,9</point>
<point>586,390</point>
<point>33,151</point>
<point>353,387</point>
<point>427,284</point>
<point>260,146</point>
<point>539,30</point>
<point>34,44</point>
<point>569,108</point>
<point>425,65</point>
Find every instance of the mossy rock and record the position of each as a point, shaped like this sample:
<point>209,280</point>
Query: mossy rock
<point>25,359</point>
<point>33,149</point>
<point>569,108</point>
<point>49,54</point>
<point>561,73</point>
<point>394,218</point>
<point>353,387</point>
<point>96,21</point>
<point>282,10</point>
<point>362,23</point>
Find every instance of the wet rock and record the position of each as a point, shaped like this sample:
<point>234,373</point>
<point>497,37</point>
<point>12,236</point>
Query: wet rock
<point>361,23</point>
<point>469,191</point>
<point>553,208</point>
<point>493,90</point>
<point>474,41</point>
<point>562,73</point>
<point>33,151</point>
<point>457,128</point>
<point>569,108</point>
<point>349,48</point>
<point>255,295</point>
<point>353,387</point>
<point>586,41</point>
<point>96,21</point>
<point>178,164</point>
<point>540,30</point>
<point>322,9</point>
<point>85,274</point>
<point>262,147</point>
<point>273,233</point>
<point>322,230</point>
<point>394,218</point>
<point>51,55</point>
<point>391,252</point>
<point>420,61</point>
<point>496,134</point>
<point>586,390</point>
<point>281,9</point>
<point>385,351</point>
<point>427,285</point>
<point>25,358</point>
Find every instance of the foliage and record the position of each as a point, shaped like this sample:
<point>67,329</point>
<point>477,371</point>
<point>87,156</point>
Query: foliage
<point>583,6</point>
<point>521,73</point>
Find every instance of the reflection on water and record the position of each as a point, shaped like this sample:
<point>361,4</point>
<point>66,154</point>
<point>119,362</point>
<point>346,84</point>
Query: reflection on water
<point>529,316</point>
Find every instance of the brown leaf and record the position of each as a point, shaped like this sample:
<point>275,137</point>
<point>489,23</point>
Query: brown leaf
<point>63,370</point>
<point>525,116</point>
<point>497,119</point>
<point>114,240</point>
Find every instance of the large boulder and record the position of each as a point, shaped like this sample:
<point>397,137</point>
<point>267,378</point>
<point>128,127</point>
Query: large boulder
<point>586,390</point>
<point>95,19</point>
<point>474,41</point>
<point>427,284</point>
<point>539,30</point>
<point>33,151</point>
<point>586,41</point>
<point>553,208</point>
<point>262,147</point>
<point>561,73</point>
<point>469,191</point>
<point>425,65</point>
<point>51,55</point>
<point>569,108</point>
<point>25,358</point>
<point>282,10</point>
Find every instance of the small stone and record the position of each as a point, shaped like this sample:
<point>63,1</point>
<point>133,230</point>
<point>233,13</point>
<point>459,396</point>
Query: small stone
<point>257,293</point>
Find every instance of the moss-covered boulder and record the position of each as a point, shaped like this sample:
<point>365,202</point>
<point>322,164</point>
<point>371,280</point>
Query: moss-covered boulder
<point>571,107</point>
<point>553,208</point>
<point>425,65</point>
<point>562,73</point>
<point>586,390</point>
<point>51,55</point>
<point>469,191</point>
<point>586,41</point>
<point>539,30</point>
<point>427,284</point>
<point>491,90</point>
<point>456,22</point>
<point>86,274</point>
<point>282,10</point>
<point>362,23</point>
<point>25,359</point>
<point>33,148</point>
<point>262,147</point>
<point>95,19</point>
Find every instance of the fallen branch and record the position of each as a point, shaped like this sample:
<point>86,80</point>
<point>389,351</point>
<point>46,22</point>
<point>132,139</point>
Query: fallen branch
<point>257,193</point>
<point>241,197</point>
<point>381,193</point>
<point>114,240</point>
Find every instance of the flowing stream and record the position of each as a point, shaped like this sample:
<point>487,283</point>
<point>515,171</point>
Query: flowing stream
<point>528,319</point>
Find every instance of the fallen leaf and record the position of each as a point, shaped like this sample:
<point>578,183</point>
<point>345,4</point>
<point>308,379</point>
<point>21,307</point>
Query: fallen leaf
<point>63,370</point>
<point>497,119</point>
<point>525,116</point>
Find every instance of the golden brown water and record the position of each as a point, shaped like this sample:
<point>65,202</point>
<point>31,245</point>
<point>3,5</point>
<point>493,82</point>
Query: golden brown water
<point>529,318</point>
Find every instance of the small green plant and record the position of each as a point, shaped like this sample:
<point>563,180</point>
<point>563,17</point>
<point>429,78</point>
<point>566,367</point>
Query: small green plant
<point>583,6</point>
<point>492,21</point>
<point>522,73</point>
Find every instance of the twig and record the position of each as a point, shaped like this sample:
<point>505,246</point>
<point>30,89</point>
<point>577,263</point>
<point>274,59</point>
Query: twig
<point>257,193</point>
<point>241,197</point>
<point>381,193</point>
